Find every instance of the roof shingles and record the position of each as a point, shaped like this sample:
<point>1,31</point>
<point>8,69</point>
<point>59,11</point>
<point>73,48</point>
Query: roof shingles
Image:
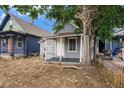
<point>29,28</point>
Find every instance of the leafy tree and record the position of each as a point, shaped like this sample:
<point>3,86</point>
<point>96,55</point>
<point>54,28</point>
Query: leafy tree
<point>92,21</point>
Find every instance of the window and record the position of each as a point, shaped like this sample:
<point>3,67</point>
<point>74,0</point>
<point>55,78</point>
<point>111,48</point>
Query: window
<point>19,42</point>
<point>72,44</point>
<point>3,43</point>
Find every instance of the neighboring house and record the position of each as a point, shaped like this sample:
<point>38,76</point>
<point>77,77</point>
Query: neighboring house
<point>117,41</point>
<point>64,45</point>
<point>19,38</point>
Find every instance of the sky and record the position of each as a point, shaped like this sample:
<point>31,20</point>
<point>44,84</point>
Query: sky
<point>41,21</point>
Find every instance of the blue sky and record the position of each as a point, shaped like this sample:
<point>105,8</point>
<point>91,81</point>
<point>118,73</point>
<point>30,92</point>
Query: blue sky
<point>42,22</point>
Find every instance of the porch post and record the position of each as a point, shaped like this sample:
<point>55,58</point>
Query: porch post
<point>46,49</point>
<point>97,42</point>
<point>110,45</point>
<point>10,45</point>
<point>60,58</point>
<point>81,48</point>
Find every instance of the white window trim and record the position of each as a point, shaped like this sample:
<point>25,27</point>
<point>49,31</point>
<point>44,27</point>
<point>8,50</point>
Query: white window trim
<point>2,43</point>
<point>69,43</point>
<point>19,41</point>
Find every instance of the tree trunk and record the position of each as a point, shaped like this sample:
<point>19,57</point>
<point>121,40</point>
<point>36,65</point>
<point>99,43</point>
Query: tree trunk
<point>91,46</point>
<point>95,50</point>
<point>86,53</point>
<point>86,43</point>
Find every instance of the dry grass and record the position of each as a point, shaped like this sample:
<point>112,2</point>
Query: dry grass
<point>32,72</point>
<point>114,77</point>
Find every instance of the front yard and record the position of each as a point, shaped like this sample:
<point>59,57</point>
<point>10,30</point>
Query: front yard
<point>32,72</point>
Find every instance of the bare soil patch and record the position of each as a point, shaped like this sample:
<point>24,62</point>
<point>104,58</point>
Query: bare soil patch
<point>32,72</point>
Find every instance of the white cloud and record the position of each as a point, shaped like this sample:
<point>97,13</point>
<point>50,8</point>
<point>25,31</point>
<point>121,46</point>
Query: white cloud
<point>1,17</point>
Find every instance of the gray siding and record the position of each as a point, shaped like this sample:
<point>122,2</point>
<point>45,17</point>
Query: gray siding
<point>50,46</point>
<point>75,54</point>
<point>67,29</point>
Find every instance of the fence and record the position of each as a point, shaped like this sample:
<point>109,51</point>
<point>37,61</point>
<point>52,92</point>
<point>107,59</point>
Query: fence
<point>114,71</point>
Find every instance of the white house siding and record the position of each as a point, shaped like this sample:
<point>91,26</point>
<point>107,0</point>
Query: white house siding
<point>50,48</point>
<point>42,47</point>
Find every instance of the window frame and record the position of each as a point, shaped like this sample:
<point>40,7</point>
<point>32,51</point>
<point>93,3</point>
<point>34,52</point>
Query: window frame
<point>3,42</point>
<point>69,44</point>
<point>19,42</point>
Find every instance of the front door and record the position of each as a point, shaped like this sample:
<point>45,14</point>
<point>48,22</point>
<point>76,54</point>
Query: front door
<point>101,46</point>
<point>10,45</point>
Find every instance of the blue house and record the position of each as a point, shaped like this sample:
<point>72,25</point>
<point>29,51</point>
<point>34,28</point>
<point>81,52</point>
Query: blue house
<point>116,42</point>
<point>19,38</point>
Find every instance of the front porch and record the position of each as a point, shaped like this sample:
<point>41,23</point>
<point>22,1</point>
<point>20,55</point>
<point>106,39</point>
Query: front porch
<point>11,44</point>
<point>63,49</point>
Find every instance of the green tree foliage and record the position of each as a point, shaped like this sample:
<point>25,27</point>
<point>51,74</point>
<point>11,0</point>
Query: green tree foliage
<point>106,17</point>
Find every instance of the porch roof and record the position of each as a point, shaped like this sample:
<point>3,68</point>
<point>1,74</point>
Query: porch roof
<point>120,33</point>
<point>58,36</point>
<point>10,32</point>
<point>52,35</point>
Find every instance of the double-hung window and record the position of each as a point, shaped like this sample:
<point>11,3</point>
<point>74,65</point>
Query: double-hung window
<point>72,44</point>
<point>3,43</point>
<point>19,42</point>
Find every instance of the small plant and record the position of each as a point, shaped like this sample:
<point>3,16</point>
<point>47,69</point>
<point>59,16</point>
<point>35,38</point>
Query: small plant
<point>98,65</point>
<point>107,53</point>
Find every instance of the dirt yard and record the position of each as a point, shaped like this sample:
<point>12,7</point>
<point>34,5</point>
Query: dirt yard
<point>32,72</point>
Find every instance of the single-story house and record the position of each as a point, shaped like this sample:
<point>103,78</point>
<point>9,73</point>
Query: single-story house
<point>64,45</point>
<point>19,38</point>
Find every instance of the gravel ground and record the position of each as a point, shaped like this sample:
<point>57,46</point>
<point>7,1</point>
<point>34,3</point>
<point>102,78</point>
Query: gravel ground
<point>32,72</point>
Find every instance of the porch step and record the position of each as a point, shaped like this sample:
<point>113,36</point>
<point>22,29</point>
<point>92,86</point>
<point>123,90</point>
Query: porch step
<point>65,59</point>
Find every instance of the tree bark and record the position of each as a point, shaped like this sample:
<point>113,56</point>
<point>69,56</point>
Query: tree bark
<point>85,22</point>
<point>86,19</point>
<point>86,44</point>
<point>86,53</point>
<point>91,46</point>
<point>95,50</point>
